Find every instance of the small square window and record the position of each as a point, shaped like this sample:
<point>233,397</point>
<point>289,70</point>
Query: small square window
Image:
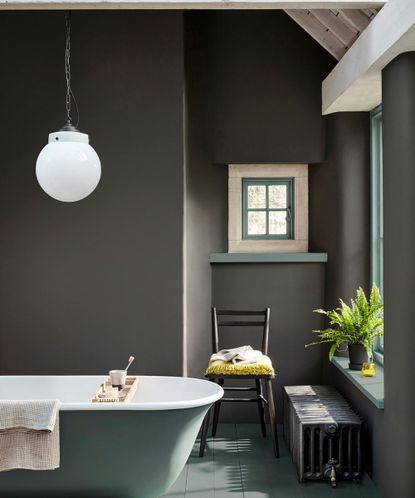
<point>267,208</point>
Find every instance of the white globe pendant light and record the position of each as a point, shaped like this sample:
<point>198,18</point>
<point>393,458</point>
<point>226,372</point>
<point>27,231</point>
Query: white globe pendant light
<point>68,168</point>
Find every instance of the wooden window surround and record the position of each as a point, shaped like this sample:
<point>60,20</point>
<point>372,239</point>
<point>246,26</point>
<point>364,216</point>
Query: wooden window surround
<point>240,174</point>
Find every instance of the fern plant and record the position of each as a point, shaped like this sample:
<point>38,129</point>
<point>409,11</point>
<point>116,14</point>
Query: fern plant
<point>359,323</point>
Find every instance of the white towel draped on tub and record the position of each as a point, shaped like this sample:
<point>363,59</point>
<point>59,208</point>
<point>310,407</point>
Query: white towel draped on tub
<point>29,434</point>
<point>242,356</point>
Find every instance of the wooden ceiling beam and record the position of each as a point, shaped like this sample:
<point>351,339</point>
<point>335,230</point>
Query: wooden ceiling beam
<point>370,12</point>
<point>319,32</point>
<point>189,4</point>
<point>341,30</point>
<point>355,84</point>
<point>355,18</point>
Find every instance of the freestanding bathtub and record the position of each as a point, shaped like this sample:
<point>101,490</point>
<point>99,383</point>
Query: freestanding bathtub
<point>112,450</point>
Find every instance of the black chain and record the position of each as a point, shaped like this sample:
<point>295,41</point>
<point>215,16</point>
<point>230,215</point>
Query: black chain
<point>68,66</point>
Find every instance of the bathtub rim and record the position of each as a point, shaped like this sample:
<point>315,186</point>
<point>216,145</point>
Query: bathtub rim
<point>217,393</point>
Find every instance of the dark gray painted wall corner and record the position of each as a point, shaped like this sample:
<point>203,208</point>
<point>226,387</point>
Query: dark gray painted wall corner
<point>340,205</point>
<point>205,196</point>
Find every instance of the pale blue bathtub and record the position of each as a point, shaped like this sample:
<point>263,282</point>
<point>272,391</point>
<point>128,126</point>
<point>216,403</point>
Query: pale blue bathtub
<point>135,450</point>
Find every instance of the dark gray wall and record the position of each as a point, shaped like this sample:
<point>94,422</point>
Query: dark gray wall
<point>292,291</point>
<point>84,285</point>
<point>265,89</point>
<point>398,479</point>
<point>340,205</point>
<point>205,196</point>
<point>253,88</point>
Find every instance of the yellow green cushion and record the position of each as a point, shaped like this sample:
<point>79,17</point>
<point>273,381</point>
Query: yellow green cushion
<point>263,366</point>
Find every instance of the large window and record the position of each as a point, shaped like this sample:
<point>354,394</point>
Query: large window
<point>268,208</point>
<point>377,210</point>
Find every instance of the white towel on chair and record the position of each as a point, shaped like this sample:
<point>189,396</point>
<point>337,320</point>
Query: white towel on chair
<point>29,434</point>
<point>242,355</point>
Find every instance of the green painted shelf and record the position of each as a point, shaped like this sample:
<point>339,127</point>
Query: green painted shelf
<point>282,257</point>
<point>371,387</point>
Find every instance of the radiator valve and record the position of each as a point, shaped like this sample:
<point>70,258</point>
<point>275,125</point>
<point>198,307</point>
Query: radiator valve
<point>333,480</point>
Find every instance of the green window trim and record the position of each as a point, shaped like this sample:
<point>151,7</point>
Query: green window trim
<point>289,183</point>
<point>376,256</point>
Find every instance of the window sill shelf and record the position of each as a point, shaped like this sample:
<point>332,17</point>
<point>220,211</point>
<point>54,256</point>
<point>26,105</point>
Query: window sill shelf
<point>282,257</point>
<point>371,387</point>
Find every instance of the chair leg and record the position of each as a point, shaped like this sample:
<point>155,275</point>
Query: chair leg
<point>273,419</point>
<point>261,407</point>
<point>216,412</point>
<point>203,435</point>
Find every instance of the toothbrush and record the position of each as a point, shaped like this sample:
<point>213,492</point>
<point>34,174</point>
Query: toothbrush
<point>130,360</point>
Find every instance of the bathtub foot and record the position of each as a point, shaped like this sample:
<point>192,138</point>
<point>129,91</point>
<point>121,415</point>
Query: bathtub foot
<point>203,436</point>
<point>216,411</point>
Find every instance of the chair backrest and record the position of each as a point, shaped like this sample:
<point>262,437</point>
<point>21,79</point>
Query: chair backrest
<point>243,318</point>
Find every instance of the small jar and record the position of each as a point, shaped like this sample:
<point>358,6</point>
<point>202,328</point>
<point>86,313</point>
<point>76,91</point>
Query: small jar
<point>368,369</point>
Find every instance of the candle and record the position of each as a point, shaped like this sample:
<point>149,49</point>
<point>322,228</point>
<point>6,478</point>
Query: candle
<point>368,369</point>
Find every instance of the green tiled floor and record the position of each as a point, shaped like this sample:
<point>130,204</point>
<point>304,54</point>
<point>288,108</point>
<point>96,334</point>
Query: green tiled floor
<point>239,463</point>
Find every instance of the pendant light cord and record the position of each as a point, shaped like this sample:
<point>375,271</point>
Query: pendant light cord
<point>68,102</point>
<point>69,93</point>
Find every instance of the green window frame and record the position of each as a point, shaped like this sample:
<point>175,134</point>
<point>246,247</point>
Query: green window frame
<point>267,209</point>
<point>376,259</point>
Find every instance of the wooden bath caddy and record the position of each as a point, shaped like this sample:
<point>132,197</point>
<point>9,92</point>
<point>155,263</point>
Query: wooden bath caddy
<point>124,396</point>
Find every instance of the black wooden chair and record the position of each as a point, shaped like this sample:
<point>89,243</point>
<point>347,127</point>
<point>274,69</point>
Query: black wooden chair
<point>254,319</point>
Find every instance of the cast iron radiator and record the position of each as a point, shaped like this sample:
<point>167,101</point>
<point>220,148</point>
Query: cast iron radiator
<point>322,433</point>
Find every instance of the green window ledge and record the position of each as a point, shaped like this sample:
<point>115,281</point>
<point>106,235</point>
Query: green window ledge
<point>371,387</point>
<point>282,257</point>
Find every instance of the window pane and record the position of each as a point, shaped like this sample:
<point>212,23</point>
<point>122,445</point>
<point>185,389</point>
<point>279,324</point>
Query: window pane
<point>256,223</point>
<point>256,197</point>
<point>277,196</point>
<point>278,222</point>
<point>377,211</point>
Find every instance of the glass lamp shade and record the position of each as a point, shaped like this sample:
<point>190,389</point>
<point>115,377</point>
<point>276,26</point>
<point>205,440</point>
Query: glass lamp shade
<point>68,168</point>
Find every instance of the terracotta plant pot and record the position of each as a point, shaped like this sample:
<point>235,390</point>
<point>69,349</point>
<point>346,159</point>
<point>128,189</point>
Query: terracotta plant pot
<point>357,356</point>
